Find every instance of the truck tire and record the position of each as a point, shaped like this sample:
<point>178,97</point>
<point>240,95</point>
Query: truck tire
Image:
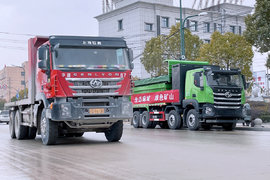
<point>229,126</point>
<point>32,132</point>
<point>12,125</point>
<point>146,123</point>
<point>20,130</point>
<point>136,119</point>
<point>114,133</point>
<point>49,129</point>
<point>174,120</point>
<point>192,120</point>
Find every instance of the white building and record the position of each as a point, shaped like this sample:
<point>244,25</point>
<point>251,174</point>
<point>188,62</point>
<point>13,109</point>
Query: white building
<point>140,20</point>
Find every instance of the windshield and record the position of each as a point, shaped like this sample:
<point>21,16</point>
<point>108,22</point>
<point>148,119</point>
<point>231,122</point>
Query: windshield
<point>217,79</point>
<point>69,58</point>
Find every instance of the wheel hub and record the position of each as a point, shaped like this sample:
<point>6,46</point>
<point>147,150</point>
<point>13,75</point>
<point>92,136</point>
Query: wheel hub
<point>191,120</point>
<point>172,120</point>
<point>135,119</point>
<point>43,127</point>
<point>144,119</point>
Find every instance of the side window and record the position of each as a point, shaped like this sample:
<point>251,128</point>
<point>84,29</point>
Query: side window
<point>197,79</point>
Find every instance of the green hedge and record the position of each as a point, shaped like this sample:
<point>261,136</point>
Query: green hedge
<point>260,110</point>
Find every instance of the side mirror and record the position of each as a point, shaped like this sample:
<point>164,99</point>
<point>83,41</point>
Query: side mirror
<point>42,53</point>
<point>198,80</point>
<point>131,65</point>
<point>130,54</point>
<point>43,65</point>
<point>201,81</point>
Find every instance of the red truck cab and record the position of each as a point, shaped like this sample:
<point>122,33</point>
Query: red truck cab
<point>77,84</point>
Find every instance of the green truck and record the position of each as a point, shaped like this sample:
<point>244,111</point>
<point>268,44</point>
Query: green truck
<point>194,94</point>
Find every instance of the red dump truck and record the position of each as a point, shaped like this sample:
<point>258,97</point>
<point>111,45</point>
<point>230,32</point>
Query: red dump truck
<point>75,85</point>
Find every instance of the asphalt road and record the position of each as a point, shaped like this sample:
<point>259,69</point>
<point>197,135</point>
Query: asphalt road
<point>141,154</point>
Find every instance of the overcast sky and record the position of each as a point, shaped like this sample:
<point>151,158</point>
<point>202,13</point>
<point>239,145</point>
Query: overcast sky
<point>22,19</point>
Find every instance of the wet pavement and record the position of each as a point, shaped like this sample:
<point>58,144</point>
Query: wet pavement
<point>141,154</point>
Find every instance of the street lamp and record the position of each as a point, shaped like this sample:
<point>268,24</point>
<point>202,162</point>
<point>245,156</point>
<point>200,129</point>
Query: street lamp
<point>182,34</point>
<point>23,79</point>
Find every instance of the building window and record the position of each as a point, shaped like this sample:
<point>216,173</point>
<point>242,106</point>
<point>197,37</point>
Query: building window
<point>120,25</point>
<point>240,30</point>
<point>206,28</point>
<point>165,22</point>
<point>217,27</point>
<point>177,20</point>
<point>232,29</point>
<point>207,41</point>
<point>193,25</point>
<point>148,27</point>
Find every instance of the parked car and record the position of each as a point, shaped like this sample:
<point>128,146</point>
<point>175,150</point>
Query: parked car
<point>4,116</point>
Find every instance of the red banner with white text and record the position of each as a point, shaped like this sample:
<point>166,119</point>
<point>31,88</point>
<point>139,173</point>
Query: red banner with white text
<point>156,97</point>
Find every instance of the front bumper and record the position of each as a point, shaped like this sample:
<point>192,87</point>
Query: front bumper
<point>4,119</point>
<point>221,115</point>
<point>77,110</point>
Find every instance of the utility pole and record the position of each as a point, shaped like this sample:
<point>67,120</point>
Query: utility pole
<point>183,56</point>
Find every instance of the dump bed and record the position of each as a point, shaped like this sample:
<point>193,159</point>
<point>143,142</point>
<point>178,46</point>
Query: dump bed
<point>165,89</point>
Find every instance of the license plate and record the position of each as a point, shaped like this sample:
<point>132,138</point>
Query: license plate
<point>96,111</point>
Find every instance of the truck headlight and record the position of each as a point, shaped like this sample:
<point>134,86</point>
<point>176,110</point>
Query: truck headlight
<point>209,111</point>
<point>65,110</point>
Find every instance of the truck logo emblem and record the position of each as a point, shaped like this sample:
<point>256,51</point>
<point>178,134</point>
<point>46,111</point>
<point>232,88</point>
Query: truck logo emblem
<point>95,83</point>
<point>228,94</point>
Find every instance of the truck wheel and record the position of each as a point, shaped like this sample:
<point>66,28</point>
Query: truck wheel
<point>146,123</point>
<point>229,126</point>
<point>136,119</point>
<point>32,132</point>
<point>193,120</point>
<point>20,130</point>
<point>49,129</point>
<point>12,125</point>
<point>174,120</point>
<point>114,133</point>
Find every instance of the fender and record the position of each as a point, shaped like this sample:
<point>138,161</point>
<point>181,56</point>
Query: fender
<point>173,107</point>
<point>41,98</point>
<point>191,102</point>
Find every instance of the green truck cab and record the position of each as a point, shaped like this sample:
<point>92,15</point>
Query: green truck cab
<point>194,94</point>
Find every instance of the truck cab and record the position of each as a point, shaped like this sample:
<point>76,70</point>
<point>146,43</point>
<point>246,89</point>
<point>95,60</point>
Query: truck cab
<point>194,94</point>
<point>219,95</point>
<point>77,84</point>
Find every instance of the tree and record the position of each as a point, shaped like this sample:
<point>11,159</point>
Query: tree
<point>267,64</point>
<point>258,26</point>
<point>2,103</point>
<point>164,47</point>
<point>21,95</point>
<point>228,51</point>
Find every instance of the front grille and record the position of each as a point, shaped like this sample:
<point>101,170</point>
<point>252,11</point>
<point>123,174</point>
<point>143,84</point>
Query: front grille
<point>95,98</point>
<point>224,101</point>
<point>83,87</point>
